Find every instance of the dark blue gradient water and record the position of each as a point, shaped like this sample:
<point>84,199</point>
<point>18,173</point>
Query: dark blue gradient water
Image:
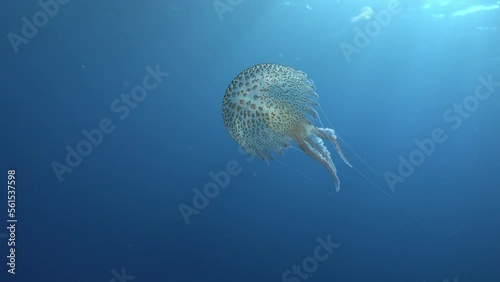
<point>125,172</point>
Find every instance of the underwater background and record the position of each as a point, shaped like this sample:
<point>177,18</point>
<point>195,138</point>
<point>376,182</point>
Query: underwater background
<point>153,188</point>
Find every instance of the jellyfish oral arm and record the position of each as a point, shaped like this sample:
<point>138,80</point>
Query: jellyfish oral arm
<point>314,147</point>
<point>328,133</point>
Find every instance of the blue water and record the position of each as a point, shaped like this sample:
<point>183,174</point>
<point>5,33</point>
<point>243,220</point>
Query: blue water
<point>114,211</point>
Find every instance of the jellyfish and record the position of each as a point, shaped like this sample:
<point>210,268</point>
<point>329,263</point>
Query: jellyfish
<point>268,107</point>
<point>366,14</point>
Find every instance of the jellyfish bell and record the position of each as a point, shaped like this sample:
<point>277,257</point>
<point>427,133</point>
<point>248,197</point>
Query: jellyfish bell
<point>268,106</point>
<point>365,14</point>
